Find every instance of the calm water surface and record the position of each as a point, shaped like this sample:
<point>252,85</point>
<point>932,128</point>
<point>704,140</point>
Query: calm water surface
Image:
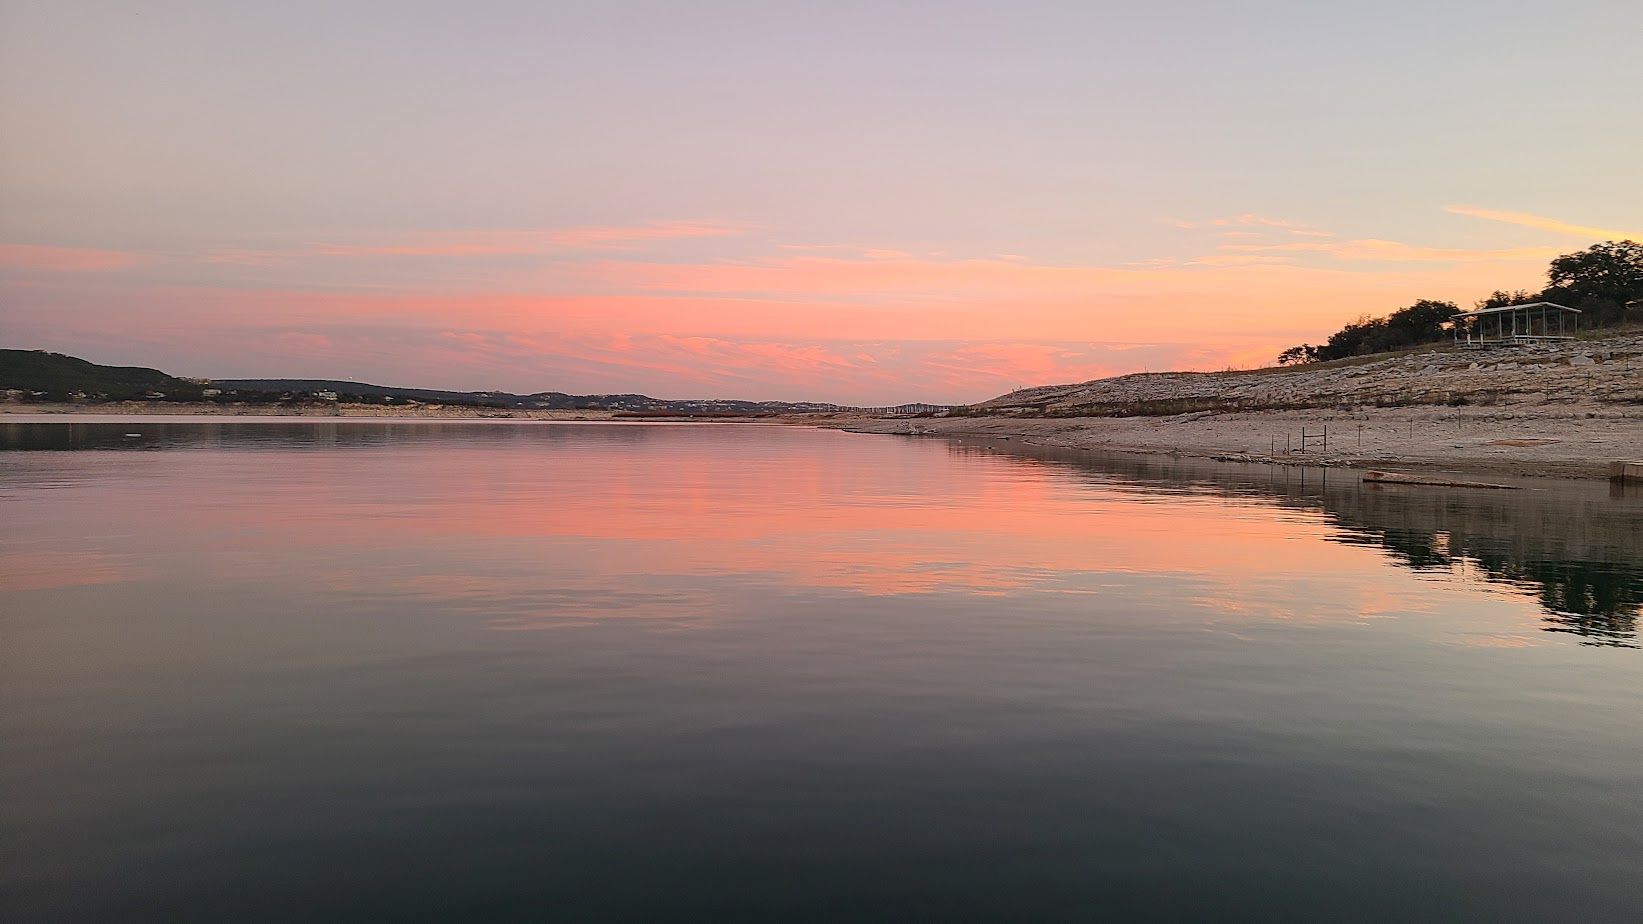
<point>322,671</point>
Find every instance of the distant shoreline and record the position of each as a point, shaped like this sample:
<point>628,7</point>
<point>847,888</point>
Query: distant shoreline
<point>1542,442</point>
<point>329,411</point>
<point>1562,411</point>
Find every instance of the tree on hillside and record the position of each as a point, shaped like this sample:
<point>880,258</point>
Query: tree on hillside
<point>1599,280</point>
<point>1605,281</point>
<point>1500,298</point>
<point>1365,335</point>
<point>1297,355</point>
<point>1421,322</point>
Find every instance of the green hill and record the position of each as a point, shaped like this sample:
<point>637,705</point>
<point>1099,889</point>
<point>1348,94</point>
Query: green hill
<point>55,376</point>
<point>50,377</point>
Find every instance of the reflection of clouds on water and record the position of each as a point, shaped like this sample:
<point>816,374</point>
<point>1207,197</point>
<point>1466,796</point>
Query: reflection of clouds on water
<point>1499,641</point>
<point>516,600</point>
<point>57,569</point>
<point>568,590</point>
<point>537,526</point>
<point>1575,547</point>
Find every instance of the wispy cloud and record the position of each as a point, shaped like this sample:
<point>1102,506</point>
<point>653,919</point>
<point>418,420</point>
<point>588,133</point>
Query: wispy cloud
<point>483,243</point>
<point>851,322</point>
<point>1371,249</point>
<point>68,259</point>
<point>1260,258</point>
<point>1229,225</point>
<point>1543,223</point>
<point>619,236</point>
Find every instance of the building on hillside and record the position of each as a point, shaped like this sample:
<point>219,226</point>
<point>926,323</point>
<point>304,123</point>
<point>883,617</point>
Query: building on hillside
<point>1516,324</point>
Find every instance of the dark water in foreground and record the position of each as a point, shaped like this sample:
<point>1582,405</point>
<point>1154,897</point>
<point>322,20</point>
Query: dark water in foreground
<point>460,671</point>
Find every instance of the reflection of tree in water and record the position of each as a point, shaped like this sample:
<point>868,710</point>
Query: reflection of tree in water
<point>1598,601</point>
<point>1575,548</point>
<point>1578,551</point>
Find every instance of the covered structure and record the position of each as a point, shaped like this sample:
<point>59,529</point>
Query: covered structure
<point>1512,324</point>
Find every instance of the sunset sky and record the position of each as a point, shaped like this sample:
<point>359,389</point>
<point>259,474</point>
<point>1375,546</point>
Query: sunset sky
<point>856,202</point>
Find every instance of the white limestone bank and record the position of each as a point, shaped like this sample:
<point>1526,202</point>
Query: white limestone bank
<point>1566,410</point>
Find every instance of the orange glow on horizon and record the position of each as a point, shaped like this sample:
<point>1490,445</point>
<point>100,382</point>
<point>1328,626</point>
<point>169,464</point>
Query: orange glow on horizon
<point>555,309</point>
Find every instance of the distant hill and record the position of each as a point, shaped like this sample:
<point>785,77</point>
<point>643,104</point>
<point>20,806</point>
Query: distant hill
<point>55,377</point>
<point>354,390</point>
<point>549,400</point>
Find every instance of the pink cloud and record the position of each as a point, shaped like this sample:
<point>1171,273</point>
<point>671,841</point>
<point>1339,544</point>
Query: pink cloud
<point>995,368</point>
<point>596,238</point>
<point>1543,223</point>
<point>301,341</point>
<point>482,243</point>
<point>1250,220</point>
<point>1370,249</point>
<point>879,276</point>
<point>68,259</point>
<point>849,323</point>
<point>1262,295</point>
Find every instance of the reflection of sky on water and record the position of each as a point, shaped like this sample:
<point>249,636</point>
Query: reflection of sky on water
<point>348,672</point>
<point>1576,547</point>
<point>538,525</point>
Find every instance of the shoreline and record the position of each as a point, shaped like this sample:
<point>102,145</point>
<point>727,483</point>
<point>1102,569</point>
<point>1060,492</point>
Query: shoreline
<point>1576,441</point>
<point>1568,443</point>
<point>327,411</point>
<point>1561,410</point>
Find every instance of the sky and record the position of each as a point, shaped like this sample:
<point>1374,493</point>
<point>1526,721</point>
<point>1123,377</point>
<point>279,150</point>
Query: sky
<point>866,203</point>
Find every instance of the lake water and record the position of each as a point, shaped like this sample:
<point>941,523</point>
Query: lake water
<point>388,671</point>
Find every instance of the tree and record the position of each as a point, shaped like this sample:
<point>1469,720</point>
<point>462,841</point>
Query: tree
<point>1500,298</point>
<point>1599,280</point>
<point>1421,322</point>
<point>1604,281</point>
<point>1365,335</point>
<point>1298,355</point>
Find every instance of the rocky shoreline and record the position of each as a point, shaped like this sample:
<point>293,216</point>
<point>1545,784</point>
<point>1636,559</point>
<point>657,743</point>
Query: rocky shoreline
<point>1563,410</point>
<point>1608,371</point>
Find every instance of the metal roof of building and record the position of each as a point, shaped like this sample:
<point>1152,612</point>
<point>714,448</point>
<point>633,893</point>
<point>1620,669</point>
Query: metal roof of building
<point>1473,314</point>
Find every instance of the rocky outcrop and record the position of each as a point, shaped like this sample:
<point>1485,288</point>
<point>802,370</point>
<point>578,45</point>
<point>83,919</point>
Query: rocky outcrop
<point>1608,371</point>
